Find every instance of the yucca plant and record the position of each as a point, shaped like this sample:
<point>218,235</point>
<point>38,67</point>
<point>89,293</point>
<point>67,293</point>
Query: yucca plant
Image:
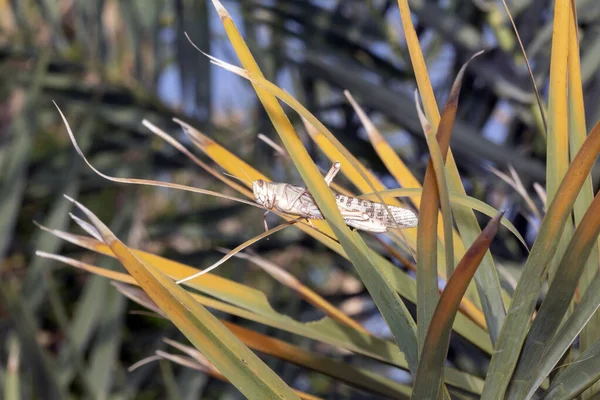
<point>531,351</point>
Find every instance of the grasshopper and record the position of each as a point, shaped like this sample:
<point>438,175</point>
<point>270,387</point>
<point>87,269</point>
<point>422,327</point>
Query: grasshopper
<point>357,213</point>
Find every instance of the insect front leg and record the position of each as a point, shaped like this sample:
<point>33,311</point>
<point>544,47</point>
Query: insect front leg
<point>269,207</point>
<point>308,221</point>
<point>265,219</point>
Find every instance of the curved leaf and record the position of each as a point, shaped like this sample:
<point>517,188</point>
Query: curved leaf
<point>558,299</point>
<point>581,374</point>
<point>358,377</point>
<point>229,355</point>
<point>577,321</point>
<point>457,199</point>
<point>577,134</point>
<point>324,330</point>
<point>486,278</point>
<point>435,196</point>
<point>518,318</point>
<point>387,300</point>
<point>435,348</point>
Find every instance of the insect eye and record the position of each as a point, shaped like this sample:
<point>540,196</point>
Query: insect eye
<point>260,183</point>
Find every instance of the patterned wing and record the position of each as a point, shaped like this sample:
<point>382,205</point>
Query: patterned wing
<point>376,212</point>
<point>403,217</point>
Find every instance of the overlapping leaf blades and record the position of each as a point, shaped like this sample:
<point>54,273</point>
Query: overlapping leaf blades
<point>564,184</point>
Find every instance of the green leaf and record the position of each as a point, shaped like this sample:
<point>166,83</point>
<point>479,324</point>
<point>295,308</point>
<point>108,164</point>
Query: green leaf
<point>435,348</point>
<point>577,134</point>
<point>558,299</point>
<point>252,305</point>
<point>387,300</point>
<point>578,320</point>
<point>37,359</point>
<point>527,291</point>
<point>104,357</point>
<point>581,374</point>
<point>12,382</point>
<point>456,199</point>
<point>231,357</point>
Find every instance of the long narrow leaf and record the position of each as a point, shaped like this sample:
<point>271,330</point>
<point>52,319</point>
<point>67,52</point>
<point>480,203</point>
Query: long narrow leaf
<point>431,364</point>
<point>419,66</point>
<point>427,259</point>
<point>518,318</point>
<point>242,367</point>
<point>577,133</point>
<point>357,377</point>
<point>581,374</point>
<point>456,199</point>
<point>558,298</point>
<point>435,194</point>
<point>557,158</point>
<point>387,300</point>
<point>325,330</point>
<point>578,319</point>
<point>486,278</point>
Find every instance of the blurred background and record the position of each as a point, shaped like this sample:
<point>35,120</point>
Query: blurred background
<point>109,64</point>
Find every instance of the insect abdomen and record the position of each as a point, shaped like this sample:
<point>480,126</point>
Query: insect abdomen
<point>403,217</point>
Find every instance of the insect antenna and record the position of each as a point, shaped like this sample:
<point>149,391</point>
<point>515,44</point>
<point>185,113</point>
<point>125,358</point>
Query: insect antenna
<point>239,179</point>
<point>247,176</point>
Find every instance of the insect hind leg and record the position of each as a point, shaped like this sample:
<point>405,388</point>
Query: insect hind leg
<point>362,221</point>
<point>369,225</point>
<point>333,171</point>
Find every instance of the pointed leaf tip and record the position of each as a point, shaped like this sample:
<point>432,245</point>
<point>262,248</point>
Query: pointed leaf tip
<point>422,118</point>
<point>198,48</point>
<point>86,226</point>
<point>220,9</point>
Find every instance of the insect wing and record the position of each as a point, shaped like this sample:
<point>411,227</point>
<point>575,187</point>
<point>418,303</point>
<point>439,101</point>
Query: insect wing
<point>379,217</point>
<point>404,217</point>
